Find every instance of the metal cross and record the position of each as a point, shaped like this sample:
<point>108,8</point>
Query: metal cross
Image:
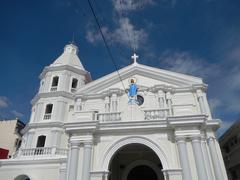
<point>134,57</point>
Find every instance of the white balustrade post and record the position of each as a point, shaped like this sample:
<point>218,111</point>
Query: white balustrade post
<point>183,155</point>
<point>87,155</point>
<point>199,160</point>
<point>72,171</point>
<point>215,160</point>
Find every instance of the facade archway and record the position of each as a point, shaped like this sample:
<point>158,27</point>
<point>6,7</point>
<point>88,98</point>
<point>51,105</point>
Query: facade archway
<point>135,161</point>
<point>116,146</point>
<point>139,163</point>
<point>22,177</point>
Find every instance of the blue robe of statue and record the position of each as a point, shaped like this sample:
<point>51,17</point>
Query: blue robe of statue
<point>133,90</point>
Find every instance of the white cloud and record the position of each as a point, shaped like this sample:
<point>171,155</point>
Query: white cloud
<point>95,36</point>
<point>125,34</point>
<point>214,103</point>
<point>224,82</point>
<point>184,62</point>
<point>225,125</point>
<point>130,5</point>
<point>4,102</point>
<point>16,113</point>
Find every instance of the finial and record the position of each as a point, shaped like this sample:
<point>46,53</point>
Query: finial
<point>134,57</point>
<point>73,38</point>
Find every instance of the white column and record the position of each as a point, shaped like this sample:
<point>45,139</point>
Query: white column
<point>169,102</point>
<point>29,139</point>
<point>207,160</point>
<point>107,104</point>
<point>200,101</point>
<point>60,110</point>
<point>67,82</point>
<point>216,164</point>
<point>56,136</point>
<point>114,102</point>
<point>198,155</point>
<point>62,171</point>
<point>87,156</point>
<point>160,98</point>
<point>183,155</point>
<point>72,171</point>
<point>38,112</point>
<point>47,83</point>
<point>78,105</point>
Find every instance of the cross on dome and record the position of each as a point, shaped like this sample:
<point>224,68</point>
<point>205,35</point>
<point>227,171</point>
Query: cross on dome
<point>134,57</point>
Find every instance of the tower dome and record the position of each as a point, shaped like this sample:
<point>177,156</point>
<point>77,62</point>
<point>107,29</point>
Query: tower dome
<point>69,57</point>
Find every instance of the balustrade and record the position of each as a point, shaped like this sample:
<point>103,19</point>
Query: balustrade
<point>156,114</point>
<point>42,151</point>
<point>53,88</point>
<point>106,117</point>
<point>47,116</point>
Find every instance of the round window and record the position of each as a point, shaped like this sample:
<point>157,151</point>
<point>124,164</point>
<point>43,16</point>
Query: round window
<point>140,100</point>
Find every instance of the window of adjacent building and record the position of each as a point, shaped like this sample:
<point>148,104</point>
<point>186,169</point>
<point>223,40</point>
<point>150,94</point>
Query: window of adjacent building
<point>41,141</point>
<point>48,111</point>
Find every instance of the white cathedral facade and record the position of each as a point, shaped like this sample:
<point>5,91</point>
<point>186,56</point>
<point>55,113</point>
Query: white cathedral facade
<point>150,124</point>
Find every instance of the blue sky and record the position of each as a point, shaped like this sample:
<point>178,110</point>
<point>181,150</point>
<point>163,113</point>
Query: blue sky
<point>201,38</point>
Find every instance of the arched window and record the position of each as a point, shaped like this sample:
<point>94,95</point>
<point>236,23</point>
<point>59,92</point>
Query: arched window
<point>48,111</point>
<point>74,85</point>
<point>41,141</point>
<point>54,83</point>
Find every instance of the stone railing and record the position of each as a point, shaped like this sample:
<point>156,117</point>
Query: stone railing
<point>73,90</point>
<point>156,114</point>
<point>41,151</point>
<point>109,117</point>
<point>47,116</point>
<point>53,88</point>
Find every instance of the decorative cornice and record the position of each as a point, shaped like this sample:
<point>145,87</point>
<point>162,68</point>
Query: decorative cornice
<point>191,120</point>
<point>52,94</point>
<point>43,161</point>
<point>65,67</point>
<point>48,124</point>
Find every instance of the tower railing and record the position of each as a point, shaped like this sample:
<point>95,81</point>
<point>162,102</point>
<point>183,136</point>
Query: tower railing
<point>41,151</point>
<point>53,88</point>
<point>47,116</point>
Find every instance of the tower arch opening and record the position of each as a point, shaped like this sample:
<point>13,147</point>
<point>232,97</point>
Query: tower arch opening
<point>135,162</point>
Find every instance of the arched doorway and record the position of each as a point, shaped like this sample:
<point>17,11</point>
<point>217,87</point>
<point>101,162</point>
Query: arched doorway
<point>22,177</point>
<point>142,172</point>
<point>135,162</point>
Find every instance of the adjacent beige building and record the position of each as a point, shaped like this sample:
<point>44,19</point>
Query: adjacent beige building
<point>10,135</point>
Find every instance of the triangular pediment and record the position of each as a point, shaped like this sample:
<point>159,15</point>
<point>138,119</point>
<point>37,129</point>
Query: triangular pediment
<point>146,77</point>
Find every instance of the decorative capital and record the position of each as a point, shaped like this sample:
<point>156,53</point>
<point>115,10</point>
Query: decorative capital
<point>195,138</point>
<point>180,139</point>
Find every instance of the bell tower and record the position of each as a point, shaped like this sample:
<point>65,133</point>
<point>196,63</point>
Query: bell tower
<point>54,101</point>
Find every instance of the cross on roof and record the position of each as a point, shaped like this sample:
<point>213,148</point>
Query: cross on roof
<point>134,57</point>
